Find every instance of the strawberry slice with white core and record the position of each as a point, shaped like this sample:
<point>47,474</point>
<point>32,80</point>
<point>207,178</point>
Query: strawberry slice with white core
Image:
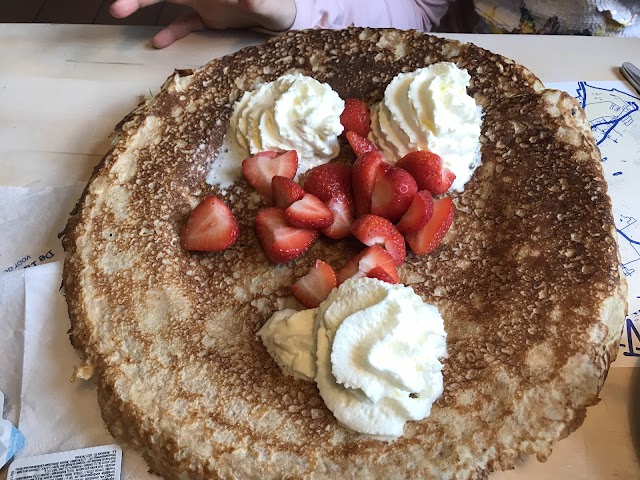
<point>428,171</point>
<point>365,170</point>
<point>374,230</point>
<point>309,212</point>
<point>371,259</point>
<point>285,191</point>
<point>280,241</point>
<point>429,237</point>
<point>329,180</point>
<point>343,217</point>
<point>377,257</point>
<point>260,169</point>
<point>360,145</point>
<point>315,286</point>
<point>211,227</point>
<point>418,214</point>
<point>393,192</point>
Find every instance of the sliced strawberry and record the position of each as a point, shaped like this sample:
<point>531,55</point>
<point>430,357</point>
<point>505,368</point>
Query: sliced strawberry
<point>418,214</point>
<point>428,171</point>
<point>350,269</point>
<point>429,237</point>
<point>260,169</point>
<point>375,230</point>
<point>329,180</point>
<point>211,227</point>
<point>343,217</point>
<point>381,274</point>
<point>371,259</point>
<point>360,145</point>
<point>315,286</point>
<point>309,212</point>
<point>393,192</point>
<point>365,170</point>
<point>377,257</point>
<point>280,241</point>
<point>285,191</point>
<point>446,180</point>
<point>356,117</point>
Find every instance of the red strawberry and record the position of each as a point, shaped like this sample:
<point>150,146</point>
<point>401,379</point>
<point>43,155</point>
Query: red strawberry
<point>359,145</point>
<point>309,212</point>
<point>375,230</point>
<point>446,181</point>
<point>316,285</point>
<point>350,269</point>
<point>370,260</point>
<point>428,171</point>
<point>285,191</point>
<point>377,257</point>
<point>356,117</point>
<point>281,242</point>
<point>260,169</point>
<point>381,274</point>
<point>429,237</point>
<point>343,216</point>
<point>418,214</point>
<point>393,192</point>
<point>328,180</point>
<point>211,227</point>
<point>365,170</point>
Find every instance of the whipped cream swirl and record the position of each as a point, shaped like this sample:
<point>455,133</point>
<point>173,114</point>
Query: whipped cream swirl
<point>429,109</point>
<point>294,112</point>
<point>378,351</point>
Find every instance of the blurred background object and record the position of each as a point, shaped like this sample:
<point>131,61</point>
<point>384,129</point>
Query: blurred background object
<point>84,11</point>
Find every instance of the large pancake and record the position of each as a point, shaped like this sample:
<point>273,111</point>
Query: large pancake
<point>527,280</point>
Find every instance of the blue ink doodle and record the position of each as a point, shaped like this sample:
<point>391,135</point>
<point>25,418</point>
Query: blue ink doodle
<point>607,108</point>
<point>632,335</point>
<point>628,229</point>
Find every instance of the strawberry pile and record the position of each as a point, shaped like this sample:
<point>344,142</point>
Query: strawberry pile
<point>384,206</point>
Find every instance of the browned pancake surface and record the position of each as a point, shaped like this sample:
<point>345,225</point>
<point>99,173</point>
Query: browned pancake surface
<point>527,280</point>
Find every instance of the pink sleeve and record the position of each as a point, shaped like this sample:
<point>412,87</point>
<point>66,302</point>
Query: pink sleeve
<point>404,14</point>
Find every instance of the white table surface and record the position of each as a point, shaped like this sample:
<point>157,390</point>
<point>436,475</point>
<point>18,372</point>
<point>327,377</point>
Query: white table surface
<point>64,87</point>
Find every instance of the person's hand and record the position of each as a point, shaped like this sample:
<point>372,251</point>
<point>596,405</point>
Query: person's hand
<point>218,14</point>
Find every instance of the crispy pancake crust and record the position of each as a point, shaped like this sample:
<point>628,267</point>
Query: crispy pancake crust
<point>527,280</point>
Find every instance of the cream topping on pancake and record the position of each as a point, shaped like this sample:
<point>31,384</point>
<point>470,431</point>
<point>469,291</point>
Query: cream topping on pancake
<point>379,348</point>
<point>429,109</point>
<point>288,336</point>
<point>294,112</point>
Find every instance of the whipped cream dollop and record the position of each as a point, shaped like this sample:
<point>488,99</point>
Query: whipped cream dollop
<point>289,338</point>
<point>294,112</point>
<point>378,351</point>
<point>429,109</point>
<point>378,356</point>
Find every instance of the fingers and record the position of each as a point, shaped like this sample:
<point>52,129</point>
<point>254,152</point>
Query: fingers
<point>178,29</point>
<point>124,8</point>
<point>275,15</point>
